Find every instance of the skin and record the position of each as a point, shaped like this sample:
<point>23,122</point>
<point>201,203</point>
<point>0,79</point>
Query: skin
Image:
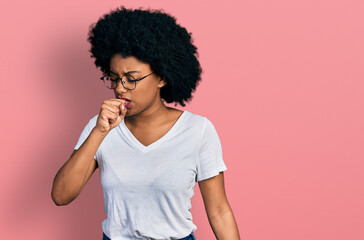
<point>148,119</point>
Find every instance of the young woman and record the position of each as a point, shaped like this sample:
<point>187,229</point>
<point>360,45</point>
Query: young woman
<point>150,156</point>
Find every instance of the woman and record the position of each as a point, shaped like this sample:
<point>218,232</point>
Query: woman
<point>150,156</point>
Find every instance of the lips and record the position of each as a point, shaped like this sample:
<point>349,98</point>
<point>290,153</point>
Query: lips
<point>128,101</point>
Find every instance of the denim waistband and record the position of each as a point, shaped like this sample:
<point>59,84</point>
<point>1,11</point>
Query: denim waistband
<point>189,237</point>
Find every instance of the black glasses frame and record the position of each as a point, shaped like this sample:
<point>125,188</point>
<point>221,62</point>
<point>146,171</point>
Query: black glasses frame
<point>119,79</point>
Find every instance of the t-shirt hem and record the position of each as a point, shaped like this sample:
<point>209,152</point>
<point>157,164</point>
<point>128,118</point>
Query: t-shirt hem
<point>212,173</point>
<point>78,148</point>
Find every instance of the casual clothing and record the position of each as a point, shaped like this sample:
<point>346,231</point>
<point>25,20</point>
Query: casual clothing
<point>148,189</point>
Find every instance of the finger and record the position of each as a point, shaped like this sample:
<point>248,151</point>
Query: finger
<point>123,110</point>
<point>115,102</point>
<point>108,115</point>
<point>122,113</point>
<point>111,108</point>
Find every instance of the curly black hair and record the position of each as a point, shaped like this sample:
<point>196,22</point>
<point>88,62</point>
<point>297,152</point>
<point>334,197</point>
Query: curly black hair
<point>153,37</point>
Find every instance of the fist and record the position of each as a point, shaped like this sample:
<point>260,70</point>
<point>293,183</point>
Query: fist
<point>111,114</point>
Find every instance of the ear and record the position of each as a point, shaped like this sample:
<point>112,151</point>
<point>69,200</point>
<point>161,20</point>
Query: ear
<point>162,82</point>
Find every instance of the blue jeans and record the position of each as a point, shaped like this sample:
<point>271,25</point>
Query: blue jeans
<point>189,237</point>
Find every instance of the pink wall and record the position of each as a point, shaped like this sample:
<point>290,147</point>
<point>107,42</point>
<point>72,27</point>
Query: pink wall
<point>282,83</point>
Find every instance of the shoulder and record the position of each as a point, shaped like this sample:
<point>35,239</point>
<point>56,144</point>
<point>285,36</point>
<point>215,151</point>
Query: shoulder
<point>186,116</point>
<point>195,118</point>
<point>203,125</point>
<point>198,122</point>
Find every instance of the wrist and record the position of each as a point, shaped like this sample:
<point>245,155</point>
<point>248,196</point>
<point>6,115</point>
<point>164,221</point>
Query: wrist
<point>99,132</point>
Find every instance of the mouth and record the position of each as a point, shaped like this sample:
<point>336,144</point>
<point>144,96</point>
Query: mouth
<point>128,101</point>
<point>125,99</point>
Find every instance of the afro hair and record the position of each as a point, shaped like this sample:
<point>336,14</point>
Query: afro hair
<point>153,37</point>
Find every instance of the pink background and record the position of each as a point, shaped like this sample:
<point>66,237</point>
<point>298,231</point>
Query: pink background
<point>282,83</point>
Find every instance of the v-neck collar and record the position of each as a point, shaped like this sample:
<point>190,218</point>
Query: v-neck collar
<point>135,142</point>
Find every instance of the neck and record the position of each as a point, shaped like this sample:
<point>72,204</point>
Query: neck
<point>150,117</point>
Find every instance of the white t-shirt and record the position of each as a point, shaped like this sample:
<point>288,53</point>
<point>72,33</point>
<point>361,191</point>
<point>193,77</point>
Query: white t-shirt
<point>148,189</point>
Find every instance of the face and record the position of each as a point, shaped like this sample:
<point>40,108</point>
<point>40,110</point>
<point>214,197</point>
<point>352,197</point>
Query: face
<point>147,91</point>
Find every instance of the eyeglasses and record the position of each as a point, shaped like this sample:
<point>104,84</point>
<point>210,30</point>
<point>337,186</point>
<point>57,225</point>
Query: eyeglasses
<point>128,81</point>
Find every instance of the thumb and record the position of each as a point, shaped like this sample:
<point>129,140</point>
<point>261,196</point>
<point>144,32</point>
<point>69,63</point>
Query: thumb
<point>121,116</point>
<point>123,111</point>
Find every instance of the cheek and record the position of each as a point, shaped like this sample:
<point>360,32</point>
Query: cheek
<point>144,93</point>
<point>147,91</point>
<point>142,96</point>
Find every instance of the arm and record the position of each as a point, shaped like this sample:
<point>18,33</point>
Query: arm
<point>219,213</point>
<point>75,173</point>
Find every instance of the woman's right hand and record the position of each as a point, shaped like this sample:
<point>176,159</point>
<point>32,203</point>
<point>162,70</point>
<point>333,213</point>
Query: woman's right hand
<point>111,114</point>
<point>75,173</point>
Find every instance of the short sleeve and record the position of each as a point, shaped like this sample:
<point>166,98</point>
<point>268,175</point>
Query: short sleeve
<point>210,161</point>
<point>86,132</point>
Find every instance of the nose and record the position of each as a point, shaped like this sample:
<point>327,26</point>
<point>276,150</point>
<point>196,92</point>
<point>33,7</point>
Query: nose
<point>120,87</point>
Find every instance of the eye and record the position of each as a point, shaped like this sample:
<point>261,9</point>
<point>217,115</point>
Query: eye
<point>130,78</point>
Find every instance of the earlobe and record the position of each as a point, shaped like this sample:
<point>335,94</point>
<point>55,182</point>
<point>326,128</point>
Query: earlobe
<point>164,82</point>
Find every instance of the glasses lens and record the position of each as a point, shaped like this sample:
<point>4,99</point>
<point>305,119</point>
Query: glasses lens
<point>108,81</point>
<point>129,82</point>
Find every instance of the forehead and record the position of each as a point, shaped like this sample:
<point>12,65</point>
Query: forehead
<point>120,64</point>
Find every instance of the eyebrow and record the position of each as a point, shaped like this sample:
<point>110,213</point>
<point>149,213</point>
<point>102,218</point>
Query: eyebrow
<point>125,73</point>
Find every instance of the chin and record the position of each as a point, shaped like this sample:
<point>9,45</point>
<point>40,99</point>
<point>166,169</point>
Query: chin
<point>128,114</point>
